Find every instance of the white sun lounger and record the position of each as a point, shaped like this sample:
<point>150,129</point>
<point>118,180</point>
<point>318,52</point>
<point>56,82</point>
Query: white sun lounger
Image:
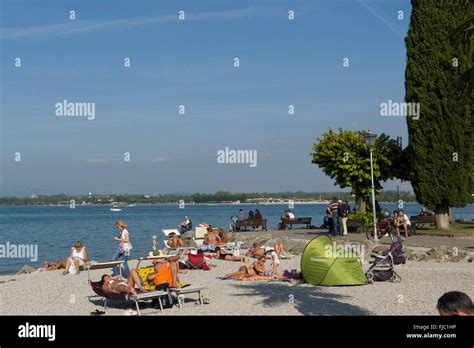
<point>101,265</point>
<point>151,295</point>
<point>199,235</point>
<point>146,258</point>
<point>180,292</point>
<point>167,232</point>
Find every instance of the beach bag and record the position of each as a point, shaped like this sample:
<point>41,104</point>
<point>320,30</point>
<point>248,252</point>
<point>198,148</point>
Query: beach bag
<point>167,300</point>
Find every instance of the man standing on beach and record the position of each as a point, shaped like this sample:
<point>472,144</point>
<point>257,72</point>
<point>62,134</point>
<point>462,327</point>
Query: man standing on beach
<point>336,219</point>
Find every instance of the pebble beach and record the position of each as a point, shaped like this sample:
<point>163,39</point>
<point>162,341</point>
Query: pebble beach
<point>51,293</point>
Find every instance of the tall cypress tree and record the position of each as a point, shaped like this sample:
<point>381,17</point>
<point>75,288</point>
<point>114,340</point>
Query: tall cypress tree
<point>441,141</point>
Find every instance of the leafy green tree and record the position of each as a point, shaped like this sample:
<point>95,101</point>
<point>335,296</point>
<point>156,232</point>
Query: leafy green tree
<point>441,144</point>
<point>345,157</point>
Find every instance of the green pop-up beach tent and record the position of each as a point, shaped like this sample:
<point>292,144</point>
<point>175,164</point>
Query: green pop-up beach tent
<point>321,264</point>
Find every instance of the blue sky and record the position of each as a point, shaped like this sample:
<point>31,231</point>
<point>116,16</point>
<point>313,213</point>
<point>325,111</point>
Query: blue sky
<point>190,63</point>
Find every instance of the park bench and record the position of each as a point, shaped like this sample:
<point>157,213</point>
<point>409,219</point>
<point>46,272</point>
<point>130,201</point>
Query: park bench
<point>421,221</point>
<point>252,223</point>
<point>288,223</point>
<point>356,225</point>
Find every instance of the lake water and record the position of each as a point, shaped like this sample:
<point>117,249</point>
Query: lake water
<point>55,228</point>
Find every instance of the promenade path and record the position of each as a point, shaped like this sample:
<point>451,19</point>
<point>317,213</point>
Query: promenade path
<point>465,243</point>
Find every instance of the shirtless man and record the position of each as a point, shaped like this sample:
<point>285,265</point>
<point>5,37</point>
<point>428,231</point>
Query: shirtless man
<point>52,266</point>
<point>221,254</point>
<point>174,242</point>
<point>257,268</point>
<point>255,251</point>
<point>166,270</point>
<point>212,237</point>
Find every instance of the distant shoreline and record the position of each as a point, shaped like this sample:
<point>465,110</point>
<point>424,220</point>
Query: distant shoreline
<point>126,205</point>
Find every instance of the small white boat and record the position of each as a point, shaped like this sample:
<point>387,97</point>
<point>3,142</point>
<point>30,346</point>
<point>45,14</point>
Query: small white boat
<point>132,205</point>
<point>115,209</point>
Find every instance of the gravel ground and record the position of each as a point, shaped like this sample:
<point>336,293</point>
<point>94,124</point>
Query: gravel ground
<point>50,293</point>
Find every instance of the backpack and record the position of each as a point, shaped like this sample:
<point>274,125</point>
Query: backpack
<point>167,300</point>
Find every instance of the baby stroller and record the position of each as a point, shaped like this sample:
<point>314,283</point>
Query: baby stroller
<point>382,268</point>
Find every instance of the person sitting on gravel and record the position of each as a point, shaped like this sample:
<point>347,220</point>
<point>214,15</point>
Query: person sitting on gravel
<point>455,303</point>
<point>257,268</point>
<point>256,251</point>
<point>221,254</point>
<point>222,235</point>
<point>212,237</point>
<point>77,259</point>
<point>174,242</point>
<point>119,284</point>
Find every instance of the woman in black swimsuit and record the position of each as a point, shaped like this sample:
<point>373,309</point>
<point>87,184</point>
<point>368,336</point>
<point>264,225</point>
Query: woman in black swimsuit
<point>222,255</point>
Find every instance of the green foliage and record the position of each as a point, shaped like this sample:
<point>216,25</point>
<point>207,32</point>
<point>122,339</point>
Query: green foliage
<point>345,157</point>
<point>441,142</point>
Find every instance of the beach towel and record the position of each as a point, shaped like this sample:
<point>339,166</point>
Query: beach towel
<point>254,278</point>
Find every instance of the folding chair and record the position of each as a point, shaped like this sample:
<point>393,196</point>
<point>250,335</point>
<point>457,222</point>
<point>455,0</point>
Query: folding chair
<point>196,261</point>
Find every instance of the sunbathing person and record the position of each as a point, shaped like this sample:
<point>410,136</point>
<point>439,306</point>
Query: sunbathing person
<point>222,235</point>
<point>174,242</point>
<point>221,254</point>
<point>166,271</point>
<point>52,266</point>
<point>119,284</point>
<point>256,251</point>
<point>257,268</point>
<point>212,237</point>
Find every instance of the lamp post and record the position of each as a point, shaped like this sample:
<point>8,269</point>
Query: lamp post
<point>370,139</point>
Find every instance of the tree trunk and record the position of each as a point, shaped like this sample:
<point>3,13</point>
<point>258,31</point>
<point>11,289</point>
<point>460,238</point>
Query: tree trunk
<point>442,215</point>
<point>360,204</point>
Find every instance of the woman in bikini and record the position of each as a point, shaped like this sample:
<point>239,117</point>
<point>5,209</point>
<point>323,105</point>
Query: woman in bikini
<point>221,254</point>
<point>119,284</point>
<point>256,269</point>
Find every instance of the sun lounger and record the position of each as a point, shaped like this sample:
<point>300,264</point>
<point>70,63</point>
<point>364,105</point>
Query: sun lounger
<point>151,295</point>
<point>181,292</point>
<point>199,235</point>
<point>167,232</point>
<point>102,265</point>
<point>146,258</point>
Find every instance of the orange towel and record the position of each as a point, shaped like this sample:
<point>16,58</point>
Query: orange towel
<point>253,278</point>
